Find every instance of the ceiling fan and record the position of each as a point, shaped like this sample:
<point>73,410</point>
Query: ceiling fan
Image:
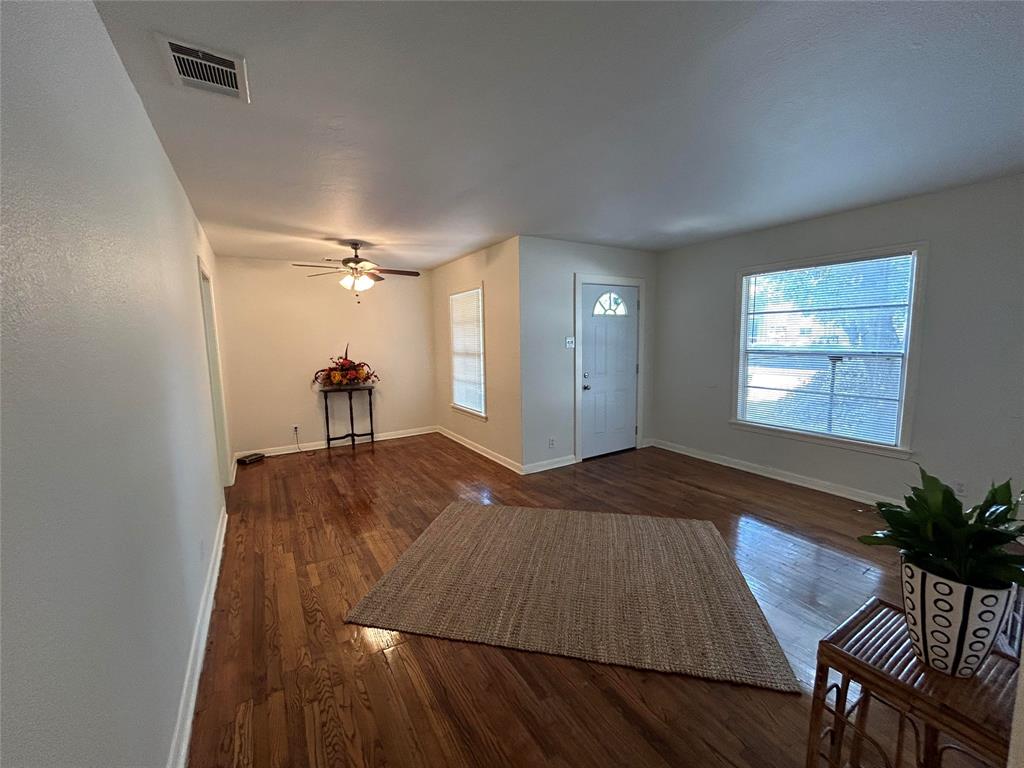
<point>358,274</point>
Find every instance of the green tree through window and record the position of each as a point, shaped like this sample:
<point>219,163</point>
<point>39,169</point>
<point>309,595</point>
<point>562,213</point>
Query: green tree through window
<point>824,348</point>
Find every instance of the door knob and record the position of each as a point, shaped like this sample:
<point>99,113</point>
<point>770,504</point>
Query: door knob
<point>586,387</point>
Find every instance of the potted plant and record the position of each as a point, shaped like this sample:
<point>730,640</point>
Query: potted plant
<point>957,576</point>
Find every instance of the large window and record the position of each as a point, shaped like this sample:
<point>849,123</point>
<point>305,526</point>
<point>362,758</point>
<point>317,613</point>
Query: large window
<point>466,311</point>
<point>823,349</point>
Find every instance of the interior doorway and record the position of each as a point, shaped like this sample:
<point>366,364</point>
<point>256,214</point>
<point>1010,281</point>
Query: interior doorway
<point>213,366</point>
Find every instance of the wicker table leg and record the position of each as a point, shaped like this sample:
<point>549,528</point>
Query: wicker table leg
<point>817,710</point>
<point>860,727</point>
<point>839,723</point>
<point>932,757</point>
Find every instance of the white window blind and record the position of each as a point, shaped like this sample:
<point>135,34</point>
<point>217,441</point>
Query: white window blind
<point>823,349</point>
<point>467,321</point>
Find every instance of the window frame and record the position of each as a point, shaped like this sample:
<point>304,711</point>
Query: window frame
<point>910,361</point>
<point>482,414</point>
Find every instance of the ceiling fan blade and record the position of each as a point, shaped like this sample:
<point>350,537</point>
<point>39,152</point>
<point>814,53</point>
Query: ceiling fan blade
<point>406,272</point>
<point>358,262</point>
<point>316,266</point>
<point>374,276</point>
<point>332,272</point>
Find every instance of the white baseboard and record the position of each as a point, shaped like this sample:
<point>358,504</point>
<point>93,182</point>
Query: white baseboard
<point>497,458</point>
<point>504,461</point>
<point>280,450</point>
<point>541,466</point>
<point>835,489</point>
<point>178,757</point>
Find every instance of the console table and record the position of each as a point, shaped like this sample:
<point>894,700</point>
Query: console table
<point>352,434</point>
<point>941,714</point>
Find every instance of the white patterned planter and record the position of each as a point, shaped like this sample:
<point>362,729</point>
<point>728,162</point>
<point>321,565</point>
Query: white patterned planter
<point>952,626</point>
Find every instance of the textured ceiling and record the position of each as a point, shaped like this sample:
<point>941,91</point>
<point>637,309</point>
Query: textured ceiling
<point>432,129</point>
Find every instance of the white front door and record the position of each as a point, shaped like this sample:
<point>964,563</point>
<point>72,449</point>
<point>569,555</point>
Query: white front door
<point>609,376</point>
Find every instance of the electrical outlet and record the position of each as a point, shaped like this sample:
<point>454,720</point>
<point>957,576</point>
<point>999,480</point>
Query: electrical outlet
<point>295,427</point>
<point>960,487</point>
<point>551,442</point>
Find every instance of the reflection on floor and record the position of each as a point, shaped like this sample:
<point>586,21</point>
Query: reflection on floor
<point>286,682</point>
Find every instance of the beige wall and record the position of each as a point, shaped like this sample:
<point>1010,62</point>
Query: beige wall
<point>497,269</point>
<point>547,288</point>
<point>279,326</point>
<point>968,417</point>
<point>111,490</point>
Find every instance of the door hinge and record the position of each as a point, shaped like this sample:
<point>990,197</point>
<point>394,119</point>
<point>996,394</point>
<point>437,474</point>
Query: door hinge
<point>636,429</point>
<point>638,369</point>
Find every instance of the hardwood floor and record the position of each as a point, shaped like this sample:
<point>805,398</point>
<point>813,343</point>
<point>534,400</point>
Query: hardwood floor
<point>287,683</point>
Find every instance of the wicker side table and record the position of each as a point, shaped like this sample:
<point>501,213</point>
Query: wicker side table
<point>942,714</point>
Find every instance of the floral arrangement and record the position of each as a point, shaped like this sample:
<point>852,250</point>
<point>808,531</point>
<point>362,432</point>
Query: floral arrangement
<point>344,371</point>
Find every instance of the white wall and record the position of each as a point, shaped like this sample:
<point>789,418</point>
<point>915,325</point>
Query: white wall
<point>497,269</point>
<point>280,326</point>
<point>547,307</point>
<point>968,419</point>
<point>111,495</point>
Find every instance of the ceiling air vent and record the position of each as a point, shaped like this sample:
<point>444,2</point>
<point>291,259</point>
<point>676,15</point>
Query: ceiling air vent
<point>217,72</point>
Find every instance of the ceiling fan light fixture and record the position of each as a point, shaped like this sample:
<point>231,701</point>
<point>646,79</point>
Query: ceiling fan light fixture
<point>357,274</point>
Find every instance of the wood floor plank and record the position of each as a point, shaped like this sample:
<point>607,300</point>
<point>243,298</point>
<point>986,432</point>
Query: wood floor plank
<point>286,682</point>
<point>242,737</point>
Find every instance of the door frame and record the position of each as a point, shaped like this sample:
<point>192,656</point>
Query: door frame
<point>211,342</point>
<point>579,280</point>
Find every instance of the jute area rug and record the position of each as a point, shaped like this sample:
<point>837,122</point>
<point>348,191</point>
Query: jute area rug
<point>647,592</point>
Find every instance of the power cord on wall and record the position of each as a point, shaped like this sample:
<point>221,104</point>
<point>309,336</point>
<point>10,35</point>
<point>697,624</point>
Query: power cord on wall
<point>295,434</point>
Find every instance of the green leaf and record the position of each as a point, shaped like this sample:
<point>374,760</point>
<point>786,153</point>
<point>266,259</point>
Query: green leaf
<point>1005,558</point>
<point>952,507</point>
<point>932,489</point>
<point>879,538</point>
<point>999,494</point>
<point>1007,574</point>
<point>898,518</point>
<point>997,514</point>
<point>934,531</point>
<point>990,538</point>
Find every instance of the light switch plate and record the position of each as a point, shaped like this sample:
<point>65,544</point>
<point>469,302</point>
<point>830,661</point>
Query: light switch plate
<point>570,342</point>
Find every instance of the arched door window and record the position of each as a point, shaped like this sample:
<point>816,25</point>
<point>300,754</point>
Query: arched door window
<point>610,303</point>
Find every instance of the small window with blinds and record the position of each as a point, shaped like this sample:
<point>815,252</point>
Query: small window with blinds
<point>823,349</point>
<point>467,328</point>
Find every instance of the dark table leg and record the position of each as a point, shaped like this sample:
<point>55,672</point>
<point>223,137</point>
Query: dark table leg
<point>327,422</point>
<point>351,421</point>
<point>370,393</point>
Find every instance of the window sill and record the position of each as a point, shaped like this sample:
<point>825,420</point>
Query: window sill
<point>468,412</point>
<point>895,452</point>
